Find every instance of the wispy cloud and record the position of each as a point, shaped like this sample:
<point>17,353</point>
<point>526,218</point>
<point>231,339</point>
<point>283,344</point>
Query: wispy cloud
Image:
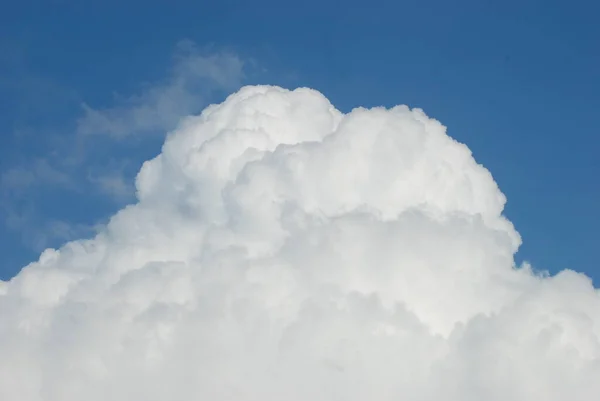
<point>38,172</point>
<point>115,180</point>
<point>39,233</point>
<point>159,106</point>
<point>92,156</point>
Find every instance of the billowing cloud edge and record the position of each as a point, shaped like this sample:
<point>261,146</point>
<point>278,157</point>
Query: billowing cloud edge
<point>281,249</point>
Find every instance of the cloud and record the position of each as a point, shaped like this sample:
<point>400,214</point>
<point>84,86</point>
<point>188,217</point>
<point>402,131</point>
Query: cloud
<point>115,185</point>
<point>39,172</point>
<point>160,105</point>
<point>39,233</point>
<point>113,179</point>
<point>17,203</point>
<point>86,148</point>
<point>283,250</point>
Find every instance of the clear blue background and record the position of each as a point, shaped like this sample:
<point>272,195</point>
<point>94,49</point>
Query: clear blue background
<point>517,81</point>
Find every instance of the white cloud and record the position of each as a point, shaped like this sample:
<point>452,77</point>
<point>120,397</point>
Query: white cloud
<point>74,158</point>
<point>281,250</point>
<point>160,105</point>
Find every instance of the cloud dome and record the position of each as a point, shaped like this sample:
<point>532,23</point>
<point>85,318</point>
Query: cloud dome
<point>283,250</point>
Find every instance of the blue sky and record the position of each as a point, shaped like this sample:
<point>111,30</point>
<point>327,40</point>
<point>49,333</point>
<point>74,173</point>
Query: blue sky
<point>517,82</point>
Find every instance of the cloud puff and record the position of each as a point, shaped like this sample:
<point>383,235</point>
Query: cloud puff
<point>282,250</point>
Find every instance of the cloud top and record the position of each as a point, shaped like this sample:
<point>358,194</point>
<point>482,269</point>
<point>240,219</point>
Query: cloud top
<point>283,250</point>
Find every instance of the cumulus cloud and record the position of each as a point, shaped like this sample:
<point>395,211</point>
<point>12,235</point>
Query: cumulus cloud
<point>159,107</point>
<point>282,250</point>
